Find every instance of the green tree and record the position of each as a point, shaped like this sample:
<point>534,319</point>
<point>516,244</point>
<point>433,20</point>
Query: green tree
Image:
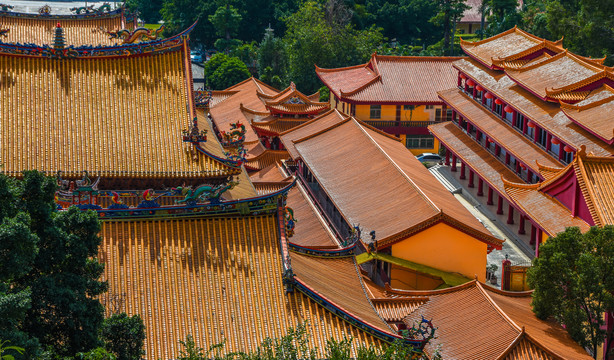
<point>272,60</point>
<point>64,313</point>
<point>149,10</point>
<point>178,15</point>
<point>312,37</point>
<point>449,12</point>
<point>230,72</point>
<point>504,15</point>
<point>226,21</point>
<point>573,280</point>
<point>215,62</point>
<point>124,336</point>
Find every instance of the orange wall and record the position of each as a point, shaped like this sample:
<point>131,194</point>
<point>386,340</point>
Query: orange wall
<point>407,279</point>
<point>447,249</point>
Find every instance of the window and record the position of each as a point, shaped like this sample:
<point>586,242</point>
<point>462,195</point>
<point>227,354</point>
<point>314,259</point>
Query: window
<point>376,112</point>
<point>430,107</point>
<point>520,122</point>
<point>420,142</point>
<point>408,107</point>
<point>542,137</point>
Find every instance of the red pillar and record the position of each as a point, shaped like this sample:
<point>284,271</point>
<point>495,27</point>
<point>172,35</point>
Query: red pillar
<point>489,202</point>
<point>462,174</point>
<point>561,151</point>
<point>538,240</point>
<point>521,225</point>
<point>447,157</point>
<point>471,178</point>
<point>535,134</point>
<point>507,158</point>
<point>500,205</point>
<point>529,176</point>
<point>510,214</point>
<point>480,187</point>
<point>453,163</point>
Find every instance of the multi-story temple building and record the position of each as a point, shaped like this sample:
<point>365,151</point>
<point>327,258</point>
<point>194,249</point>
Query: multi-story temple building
<point>197,245</point>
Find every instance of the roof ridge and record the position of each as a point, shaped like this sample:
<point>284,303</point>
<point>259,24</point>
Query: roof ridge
<point>400,170</point>
<point>305,138</point>
<point>341,68</point>
<point>581,176</point>
<point>310,121</point>
<point>496,307</point>
<point>534,65</point>
<point>400,57</point>
<point>364,291</point>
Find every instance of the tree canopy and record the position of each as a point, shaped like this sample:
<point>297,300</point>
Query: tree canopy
<point>573,278</point>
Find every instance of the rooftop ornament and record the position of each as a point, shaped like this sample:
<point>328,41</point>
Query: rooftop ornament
<point>5,7</point>
<point>141,34</point>
<point>4,32</point>
<point>203,193</point>
<point>83,9</point>
<point>202,97</point>
<point>290,221</point>
<point>194,135</point>
<point>45,10</point>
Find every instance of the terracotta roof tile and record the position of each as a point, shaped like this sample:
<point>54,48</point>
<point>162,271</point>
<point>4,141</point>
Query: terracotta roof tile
<point>310,230</point>
<point>311,127</point>
<point>474,155</point>
<point>40,30</point>
<point>209,278</point>
<point>493,127</point>
<point>338,159</point>
<point>550,214</point>
<point>545,114</point>
<point>392,79</point>
<point>395,310</point>
<point>594,113</point>
<point>266,158</point>
<point>278,125</point>
<point>324,276</point>
<point>596,179</point>
<point>112,117</point>
<point>271,173</point>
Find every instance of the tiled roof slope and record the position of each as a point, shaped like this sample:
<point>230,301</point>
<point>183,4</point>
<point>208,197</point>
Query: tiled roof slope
<point>392,79</point>
<point>112,117</point>
<point>360,167</point>
<point>548,212</point>
<point>545,114</point>
<point>594,113</point>
<point>324,275</point>
<point>596,176</point>
<point>77,32</point>
<point>310,230</point>
<point>493,127</point>
<point>216,279</point>
<point>318,124</point>
<point>475,321</point>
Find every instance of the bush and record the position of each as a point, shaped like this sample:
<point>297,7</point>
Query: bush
<point>230,72</point>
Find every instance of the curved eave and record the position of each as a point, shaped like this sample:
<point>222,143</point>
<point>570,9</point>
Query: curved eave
<point>97,52</point>
<point>567,113</point>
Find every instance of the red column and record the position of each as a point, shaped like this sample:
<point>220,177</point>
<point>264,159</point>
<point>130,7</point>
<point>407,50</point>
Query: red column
<point>480,187</point>
<point>524,126</point>
<point>462,174</point>
<point>510,214</point>
<point>538,240</point>
<point>561,151</point>
<point>514,118</point>
<point>497,150</point>
<point>548,141</point>
<point>535,134</point>
<point>529,176</point>
<point>521,225</point>
<point>453,163</point>
<point>471,178</point>
<point>507,158</point>
<point>447,157</point>
<point>468,127</point>
<point>500,205</point>
<point>489,202</point>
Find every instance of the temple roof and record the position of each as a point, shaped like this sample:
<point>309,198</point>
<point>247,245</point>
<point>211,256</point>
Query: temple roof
<point>560,77</point>
<point>266,159</point>
<point>494,128</point>
<point>85,29</point>
<point>313,126</point>
<point>392,79</point>
<point>290,101</point>
<point>350,155</point>
<point>119,117</point>
<point>545,114</point>
<point>476,321</point>
<point>594,113</point>
<point>552,216</point>
<point>217,279</point>
<point>311,229</point>
<point>507,45</point>
<point>492,170</point>
<point>596,178</point>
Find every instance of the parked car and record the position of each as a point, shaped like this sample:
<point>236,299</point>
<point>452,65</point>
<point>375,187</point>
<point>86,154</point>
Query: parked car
<point>196,57</point>
<point>429,158</point>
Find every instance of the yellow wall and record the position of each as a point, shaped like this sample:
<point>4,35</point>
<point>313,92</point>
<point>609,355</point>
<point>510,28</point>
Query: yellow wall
<point>407,279</point>
<point>445,248</point>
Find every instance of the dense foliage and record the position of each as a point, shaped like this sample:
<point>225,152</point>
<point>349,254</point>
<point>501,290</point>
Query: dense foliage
<point>124,336</point>
<point>573,278</point>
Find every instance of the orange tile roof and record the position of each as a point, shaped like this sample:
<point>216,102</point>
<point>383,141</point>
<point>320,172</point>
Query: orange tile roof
<point>549,213</point>
<point>267,158</point>
<point>278,125</point>
<point>317,274</point>
<point>271,173</point>
<point>392,79</point>
<point>546,114</point>
<point>475,321</point>
<point>592,112</point>
<point>118,117</point>
<point>320,123</point>
<point>351,155</point>
<point>554,74</point>
<point>216,279</point>
<point>493,127</point>
<point>596,178</point>
<point>395,310</point>
<point>474,155</point>
<point>510,44</point>
<point>292,101</point>
<point>548,172</point>
<point>310,230</point>
<point>40,30</point>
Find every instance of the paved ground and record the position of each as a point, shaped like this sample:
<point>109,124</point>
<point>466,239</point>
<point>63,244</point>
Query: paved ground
<point>57,7</point>
<point>510,248</point>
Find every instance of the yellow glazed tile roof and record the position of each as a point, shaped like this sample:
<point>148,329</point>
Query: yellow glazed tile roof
<point>40,30</point>
<point>216,279</point>
<point>119,117</point>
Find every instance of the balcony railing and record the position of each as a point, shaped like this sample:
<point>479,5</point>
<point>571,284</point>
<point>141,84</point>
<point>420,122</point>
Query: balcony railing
<point>393,123</point>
